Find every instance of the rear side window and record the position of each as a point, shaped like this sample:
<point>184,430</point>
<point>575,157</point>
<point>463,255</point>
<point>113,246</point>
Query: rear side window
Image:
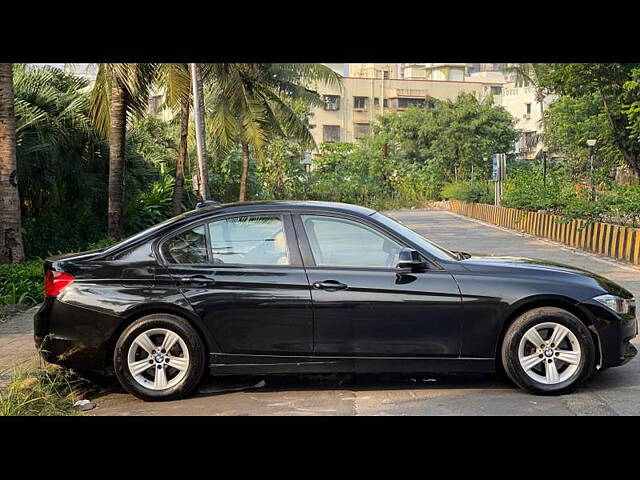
<point>243,240</point>
<point>249,240</point>
<point>187,247</point>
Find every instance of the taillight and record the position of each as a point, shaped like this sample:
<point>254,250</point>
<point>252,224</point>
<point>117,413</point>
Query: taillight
<point>54,282</point>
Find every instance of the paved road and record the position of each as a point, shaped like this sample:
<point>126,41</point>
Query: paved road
<point>17,350</point>
<point>614,392</point>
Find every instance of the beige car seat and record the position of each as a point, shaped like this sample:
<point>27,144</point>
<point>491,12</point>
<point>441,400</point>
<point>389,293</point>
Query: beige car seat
<point>280,245</point>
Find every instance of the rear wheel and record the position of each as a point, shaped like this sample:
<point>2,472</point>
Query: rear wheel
<point>548,351</point>
<point>159,357</point>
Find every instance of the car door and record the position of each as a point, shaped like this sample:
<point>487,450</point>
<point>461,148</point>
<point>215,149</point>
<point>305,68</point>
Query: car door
<point>363,305</point>
<point>243,275</point>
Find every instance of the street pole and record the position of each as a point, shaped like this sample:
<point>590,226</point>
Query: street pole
<point>544,167</point>
<point>306,163</point>
<point>592,144</point>
<point>593,184</point>
<point>198,114</point>
<point>499,176</point>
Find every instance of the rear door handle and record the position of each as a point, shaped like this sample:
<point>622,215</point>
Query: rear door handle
<point>202,280</point>
<point>330,285</point>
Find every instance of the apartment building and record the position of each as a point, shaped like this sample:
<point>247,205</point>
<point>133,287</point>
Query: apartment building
<point>376,89</point>
<point>523,106</point>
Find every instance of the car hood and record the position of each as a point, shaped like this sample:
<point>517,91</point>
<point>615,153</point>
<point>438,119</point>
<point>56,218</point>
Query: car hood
<point>531,266</point>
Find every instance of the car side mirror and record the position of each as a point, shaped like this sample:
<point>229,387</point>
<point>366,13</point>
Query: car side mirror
<point>410,259</point>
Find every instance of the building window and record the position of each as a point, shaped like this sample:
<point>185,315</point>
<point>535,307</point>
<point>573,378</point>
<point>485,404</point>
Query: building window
<point>330,133</point>
<point>411,102</point>
<point>361,130</point>
<point>385,103</point>
<point>528,105</point>
<point>332,102</point>
<point>376,102</point>
<point>384,74</point>
<point>360,103</point>
<point>496,90</point>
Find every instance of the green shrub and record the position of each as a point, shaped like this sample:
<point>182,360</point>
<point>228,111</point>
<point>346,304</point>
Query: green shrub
<point>478,192</point>
<point>21,283</point>
<point>525,190</point>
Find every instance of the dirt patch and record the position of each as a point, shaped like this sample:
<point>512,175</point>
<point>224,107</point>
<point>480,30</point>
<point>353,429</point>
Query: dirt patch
<point>8,311</point>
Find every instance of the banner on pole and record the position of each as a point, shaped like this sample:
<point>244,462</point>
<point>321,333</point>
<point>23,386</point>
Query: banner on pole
<point>494,171</point>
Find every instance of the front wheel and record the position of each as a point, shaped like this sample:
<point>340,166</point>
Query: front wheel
<point>548,351</point>
<point>159,357</point>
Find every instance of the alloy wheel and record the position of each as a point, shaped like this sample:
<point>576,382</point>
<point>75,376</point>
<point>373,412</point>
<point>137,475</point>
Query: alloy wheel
<point>158,359</point>
<point>549,353</point>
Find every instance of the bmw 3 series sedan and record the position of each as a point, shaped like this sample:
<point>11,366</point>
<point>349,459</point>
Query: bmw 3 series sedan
<point>312,287</point>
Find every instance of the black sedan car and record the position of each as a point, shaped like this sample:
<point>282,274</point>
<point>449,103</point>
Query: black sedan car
<point>312,287</point>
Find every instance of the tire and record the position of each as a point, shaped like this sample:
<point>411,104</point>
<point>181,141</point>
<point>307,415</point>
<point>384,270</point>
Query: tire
<point>160,381</point>
<point>554,369</point>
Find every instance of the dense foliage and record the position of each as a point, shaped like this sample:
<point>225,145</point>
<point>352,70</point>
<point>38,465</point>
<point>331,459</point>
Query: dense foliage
<point>363,174</point>
<point>452,139</point>
<point>616,86</point>
<point>21,283</point>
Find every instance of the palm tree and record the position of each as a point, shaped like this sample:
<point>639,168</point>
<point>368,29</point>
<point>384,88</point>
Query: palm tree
<point>11,249</point>
<point>121,90</point>
<point>197,87</point>
<point>175,79</point>
<point>253,102</point>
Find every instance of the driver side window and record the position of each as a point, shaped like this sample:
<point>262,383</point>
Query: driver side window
<point>340,242</point>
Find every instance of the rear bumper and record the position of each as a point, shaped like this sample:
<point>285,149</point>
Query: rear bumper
<point>72,336</point>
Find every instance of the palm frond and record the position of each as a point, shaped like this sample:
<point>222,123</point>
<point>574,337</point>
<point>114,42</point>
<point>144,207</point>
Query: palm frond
<point>174,79</point>
<point>100,99</point>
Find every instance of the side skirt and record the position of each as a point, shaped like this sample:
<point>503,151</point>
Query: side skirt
<point>240,364</point>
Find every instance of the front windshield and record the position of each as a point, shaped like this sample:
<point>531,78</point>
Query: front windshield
<point>436,250</point>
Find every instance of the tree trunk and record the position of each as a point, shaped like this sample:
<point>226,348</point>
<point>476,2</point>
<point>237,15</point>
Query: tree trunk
<point>198,114</point>
<point>540,98</point>
<point>11,248</point>
<point>245,172</point>
<point>117,138</point>
<point>182,156</point>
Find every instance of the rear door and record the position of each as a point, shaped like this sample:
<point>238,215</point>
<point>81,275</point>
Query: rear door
<point>243,276</point>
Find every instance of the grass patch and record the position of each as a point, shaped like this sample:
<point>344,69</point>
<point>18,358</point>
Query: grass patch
<point>42,391</point>
<point>21,283</point>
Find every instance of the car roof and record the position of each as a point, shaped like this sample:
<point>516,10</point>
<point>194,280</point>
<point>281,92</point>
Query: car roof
<point>279,205</point>
<point>238,207</point>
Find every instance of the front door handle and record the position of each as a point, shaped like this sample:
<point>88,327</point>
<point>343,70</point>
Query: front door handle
<point>330,285</point>
<point>199,280</point>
